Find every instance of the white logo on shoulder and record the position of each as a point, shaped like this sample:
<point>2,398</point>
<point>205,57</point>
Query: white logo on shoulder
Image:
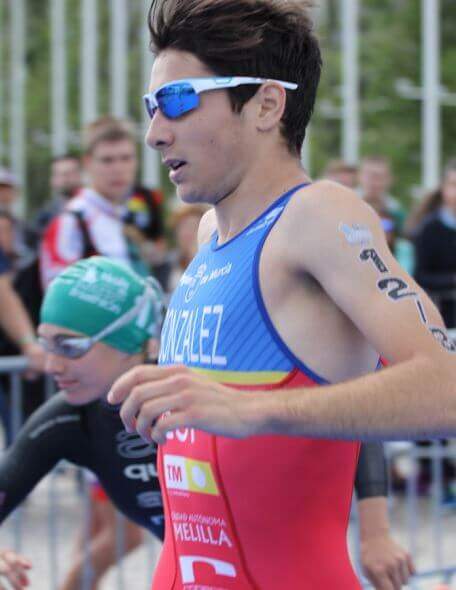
<point>356,234</point>
<point>267,221</point>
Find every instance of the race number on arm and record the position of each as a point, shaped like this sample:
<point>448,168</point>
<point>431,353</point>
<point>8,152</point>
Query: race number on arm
<point>341,243</point>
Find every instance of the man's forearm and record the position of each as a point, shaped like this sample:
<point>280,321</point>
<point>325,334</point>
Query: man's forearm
<point>413,399</point>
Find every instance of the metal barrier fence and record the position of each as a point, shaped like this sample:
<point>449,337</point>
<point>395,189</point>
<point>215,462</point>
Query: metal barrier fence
<point>432,565</point>
<point>51,540</point>
<point>424,524</point>
<point>428,523</point>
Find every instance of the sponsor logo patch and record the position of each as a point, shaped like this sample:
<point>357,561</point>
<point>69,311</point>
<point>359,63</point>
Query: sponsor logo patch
<point>189,475</point>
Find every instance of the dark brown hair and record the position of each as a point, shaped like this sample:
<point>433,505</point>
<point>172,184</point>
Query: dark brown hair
<point>260,38</point>
<point>428,205</point>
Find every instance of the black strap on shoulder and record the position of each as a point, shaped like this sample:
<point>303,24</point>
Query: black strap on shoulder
<point>88,248</point>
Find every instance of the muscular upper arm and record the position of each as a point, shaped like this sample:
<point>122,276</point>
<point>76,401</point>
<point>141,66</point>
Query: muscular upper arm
<point>341,243</point>
<point>207,227</point>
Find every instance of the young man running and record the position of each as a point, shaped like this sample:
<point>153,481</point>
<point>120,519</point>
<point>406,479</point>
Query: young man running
<point>285,295</point>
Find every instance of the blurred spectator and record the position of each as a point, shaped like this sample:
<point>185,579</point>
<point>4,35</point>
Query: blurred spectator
<point>375,181</point>
<point>23,272</point>
<point>343,173</point>
<point>24,278</point>
<point>433,228</point>
<point>184,224</point>
<point>18,259</point>
<point>109,217</point>
<point>8,190</point>
<point>65,182</point>
<point>7,236</point>
<point>144,225</point>
<point>18,328</point>
<point>14,319</point>
<point>24,236</point>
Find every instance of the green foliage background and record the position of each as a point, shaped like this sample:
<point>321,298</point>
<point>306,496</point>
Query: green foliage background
<point>390,47</point>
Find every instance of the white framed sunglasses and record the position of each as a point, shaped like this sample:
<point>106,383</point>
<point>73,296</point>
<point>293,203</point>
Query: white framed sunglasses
<point>181,96</point>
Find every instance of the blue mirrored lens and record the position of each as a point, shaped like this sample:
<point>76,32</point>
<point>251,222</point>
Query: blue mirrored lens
<point>151,109</point>
<point>176,99</point>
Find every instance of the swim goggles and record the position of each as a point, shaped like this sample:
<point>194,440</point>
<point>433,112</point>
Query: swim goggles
<point>181,96</point>
<point>75,347</point>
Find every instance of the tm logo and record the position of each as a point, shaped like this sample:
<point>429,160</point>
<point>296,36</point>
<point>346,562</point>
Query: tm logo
<point>189,475</point>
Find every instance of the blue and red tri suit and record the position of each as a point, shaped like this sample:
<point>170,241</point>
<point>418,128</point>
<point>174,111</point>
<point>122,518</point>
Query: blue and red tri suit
<point>267,512</point>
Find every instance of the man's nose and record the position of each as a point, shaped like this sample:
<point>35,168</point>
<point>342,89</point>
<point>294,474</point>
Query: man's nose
<point>159,134</point>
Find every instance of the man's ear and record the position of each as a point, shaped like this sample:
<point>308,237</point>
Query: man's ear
<point>270,101</point>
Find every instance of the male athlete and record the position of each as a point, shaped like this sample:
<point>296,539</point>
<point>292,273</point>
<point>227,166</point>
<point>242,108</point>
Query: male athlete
<point>291,299</point>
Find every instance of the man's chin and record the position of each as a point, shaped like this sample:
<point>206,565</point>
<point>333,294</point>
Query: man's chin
<point>191,198</point>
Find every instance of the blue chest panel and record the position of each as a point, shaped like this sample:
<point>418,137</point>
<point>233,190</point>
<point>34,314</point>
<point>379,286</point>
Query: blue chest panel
<point>216,318</point>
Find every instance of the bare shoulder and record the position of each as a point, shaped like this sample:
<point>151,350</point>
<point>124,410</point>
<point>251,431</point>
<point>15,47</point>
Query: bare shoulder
<point>324,199</point>
<point>207,227</point>
<point>322,214</point>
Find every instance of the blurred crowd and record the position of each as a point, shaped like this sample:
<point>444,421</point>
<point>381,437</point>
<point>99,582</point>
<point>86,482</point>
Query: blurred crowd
<point>96,206</point>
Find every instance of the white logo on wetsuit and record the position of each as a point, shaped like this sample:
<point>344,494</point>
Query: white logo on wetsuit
<point>132,446</point>
<point>149,500</point>
<point>145,472</point>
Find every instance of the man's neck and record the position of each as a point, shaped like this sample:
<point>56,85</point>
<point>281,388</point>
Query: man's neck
<point>255,193</point>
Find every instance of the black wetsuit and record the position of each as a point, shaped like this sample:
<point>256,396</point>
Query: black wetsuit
<point>93,436</point>
<point>90,436</point>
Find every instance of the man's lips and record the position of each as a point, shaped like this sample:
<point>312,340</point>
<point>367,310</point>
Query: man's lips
<point>176,175</point>
<point>174,163</point>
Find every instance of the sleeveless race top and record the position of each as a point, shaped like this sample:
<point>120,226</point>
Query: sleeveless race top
<point>267,512</point>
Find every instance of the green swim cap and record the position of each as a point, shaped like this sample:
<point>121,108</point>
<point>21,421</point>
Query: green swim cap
<point>93,293</point>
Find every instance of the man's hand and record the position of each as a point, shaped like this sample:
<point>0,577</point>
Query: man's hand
<point>386,564</point>
<point>13,568</point>
<point>157,400</point>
